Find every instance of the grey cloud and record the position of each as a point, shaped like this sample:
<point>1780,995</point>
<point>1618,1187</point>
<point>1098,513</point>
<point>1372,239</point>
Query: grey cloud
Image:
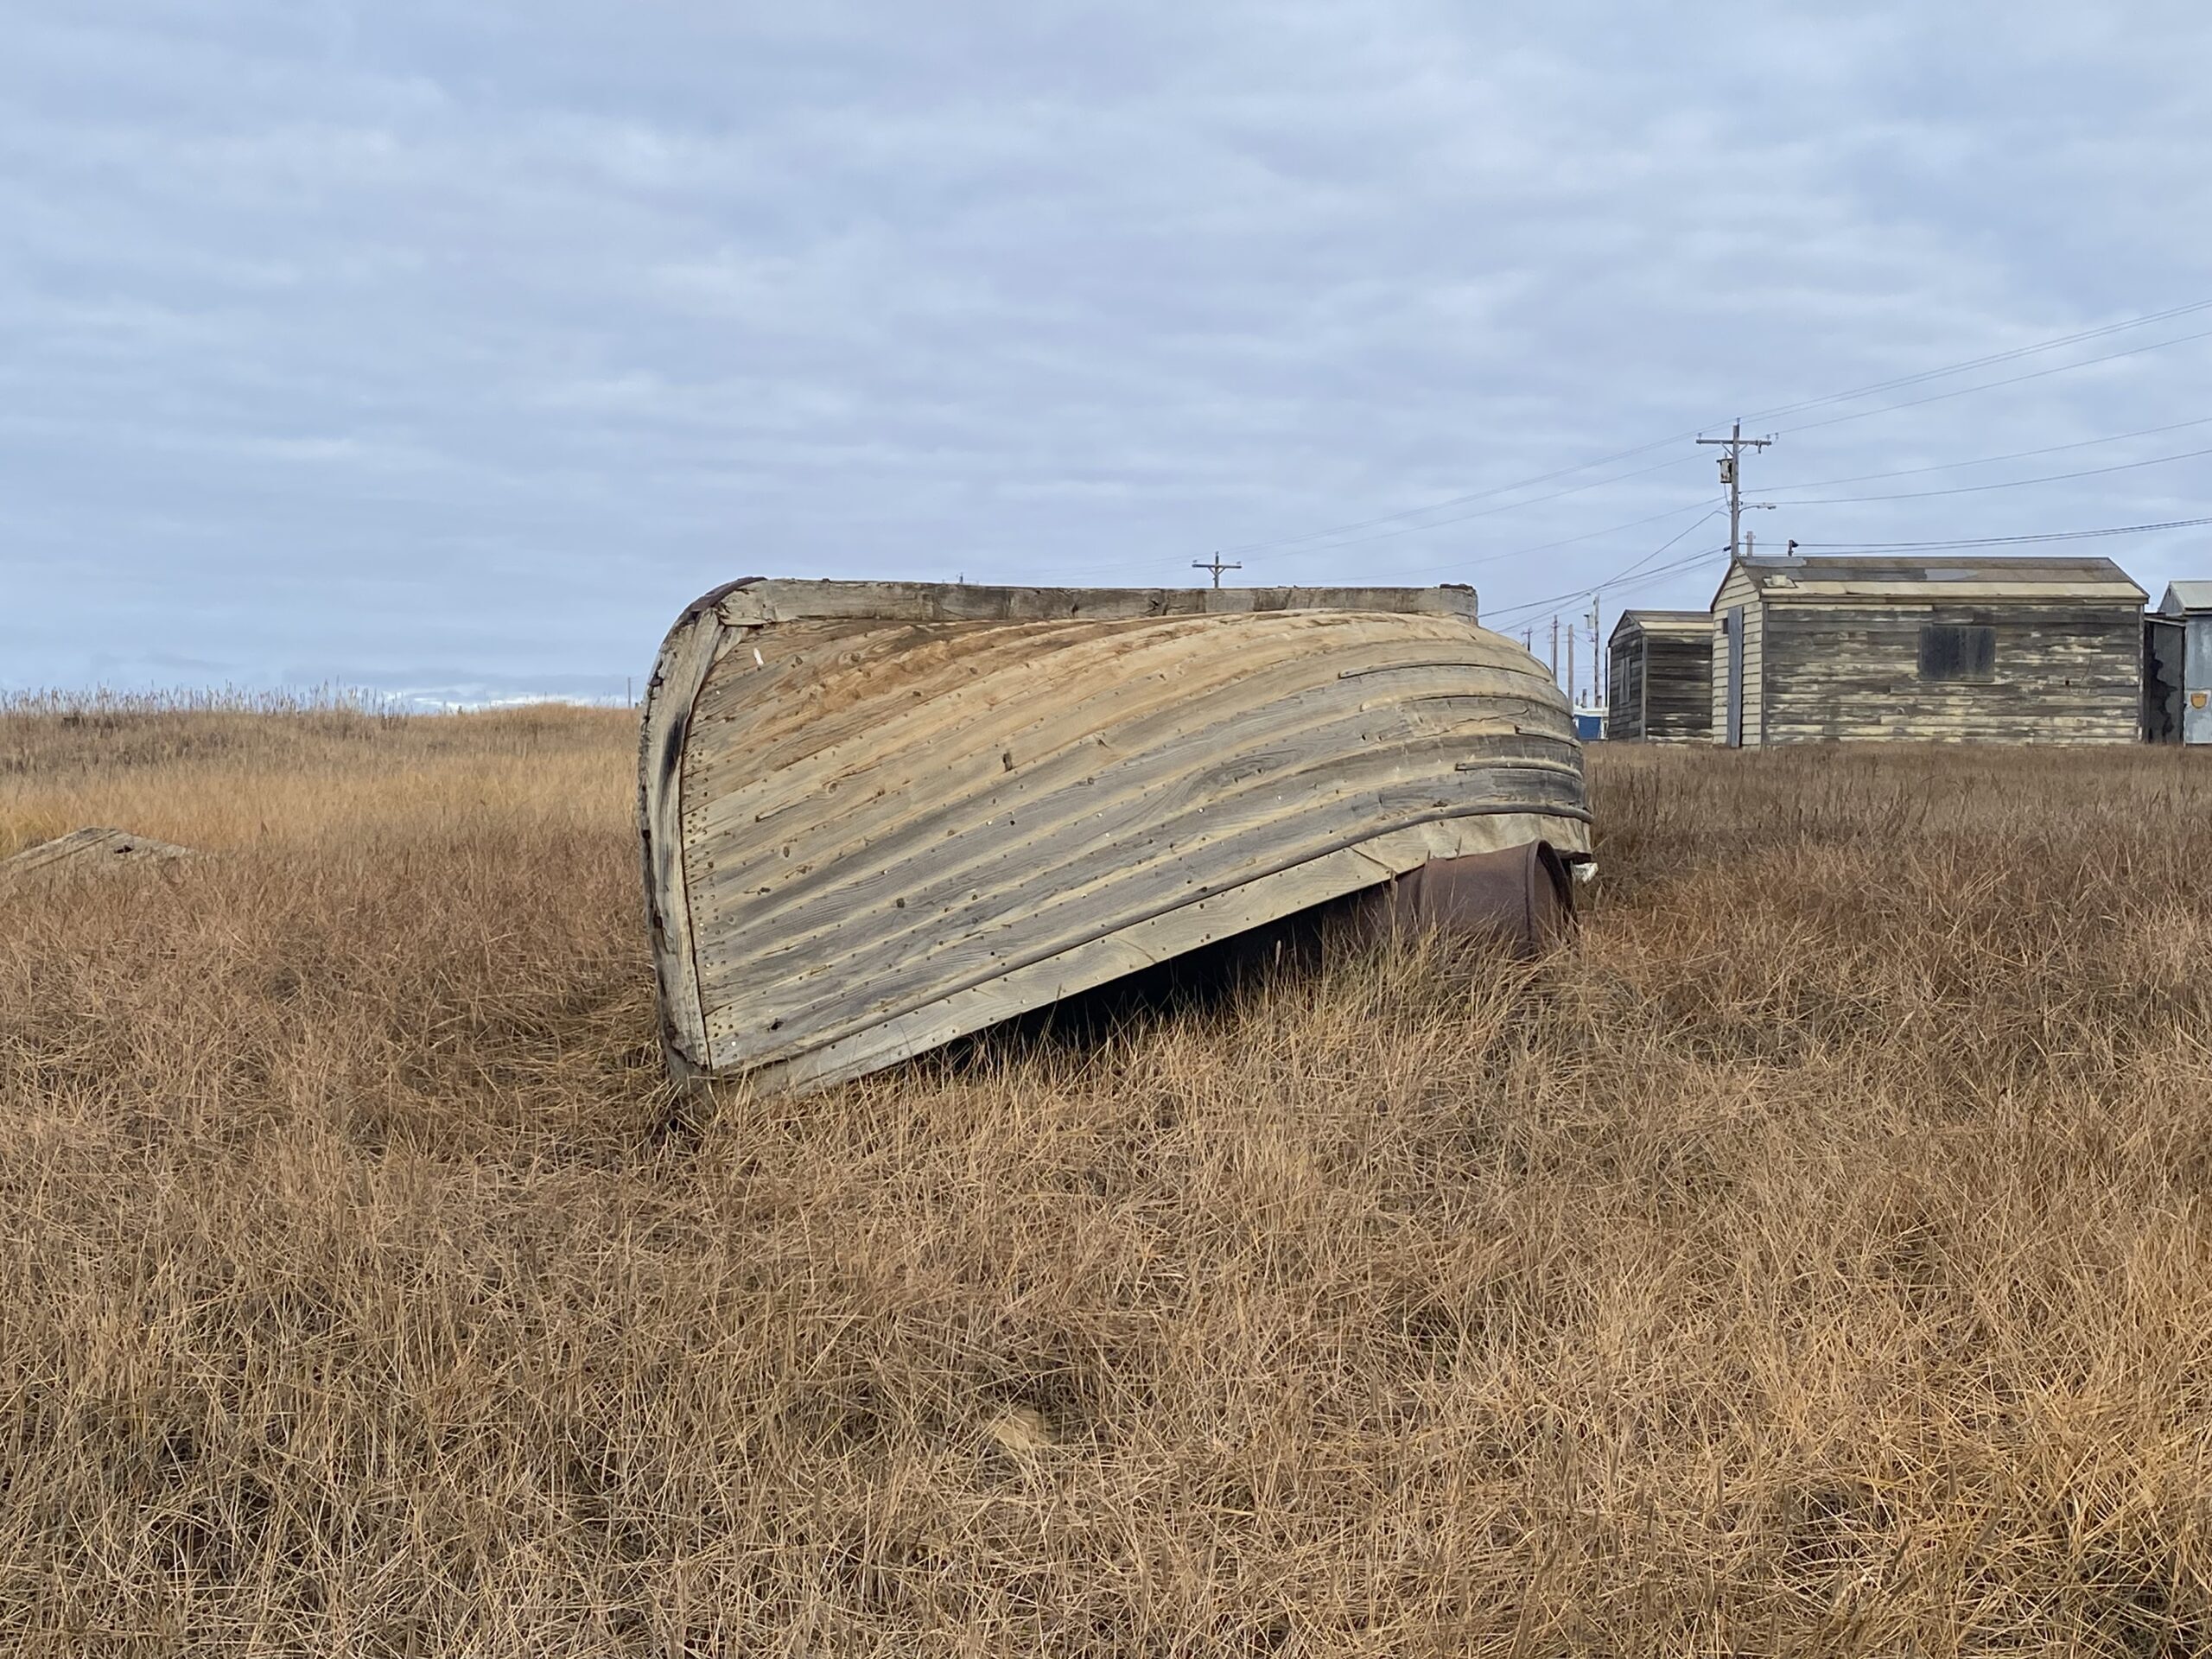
<point>462,345</point>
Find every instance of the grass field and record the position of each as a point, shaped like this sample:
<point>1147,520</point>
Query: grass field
<point>1815,1257</point>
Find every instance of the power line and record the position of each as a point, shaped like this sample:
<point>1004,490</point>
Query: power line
<point>1565,541</point>
<point>1988,461</point>
<point>1987,360</point>
<point>1480,495</point>
<point>1629,576</point>
<point>1327,546</point>
<point>1992,385</point>
<point>1676,568</point>
<point>1990,360</point>
<point>2006,484</point>
<point>1456,564</point>
<point>1623,575</point>
<point>2008,541</point>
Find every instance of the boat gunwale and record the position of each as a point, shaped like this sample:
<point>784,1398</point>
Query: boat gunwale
<point>787,599</point>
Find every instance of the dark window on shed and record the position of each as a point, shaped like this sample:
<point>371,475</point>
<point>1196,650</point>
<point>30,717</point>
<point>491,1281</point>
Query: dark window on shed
<point>1950,651</point>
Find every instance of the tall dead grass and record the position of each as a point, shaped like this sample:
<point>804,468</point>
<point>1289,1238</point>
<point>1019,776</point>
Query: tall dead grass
<point>1813,1258</point>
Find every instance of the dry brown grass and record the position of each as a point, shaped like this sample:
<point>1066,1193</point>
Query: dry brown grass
<point>1815,1258</point>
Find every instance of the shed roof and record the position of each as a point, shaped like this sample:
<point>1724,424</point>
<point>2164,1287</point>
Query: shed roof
<point>1668,623</point>
<point>2182,597</point>
<point>1859,579</point>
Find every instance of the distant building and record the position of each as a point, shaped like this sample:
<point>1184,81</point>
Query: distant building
<point>1659,676</point>
<point>2005,650</point>
<point>2177,666</point>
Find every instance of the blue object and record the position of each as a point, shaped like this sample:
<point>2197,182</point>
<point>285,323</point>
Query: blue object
<point>1589,724</point>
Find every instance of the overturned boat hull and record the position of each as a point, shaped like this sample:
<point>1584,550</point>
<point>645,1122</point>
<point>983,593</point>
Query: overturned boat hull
<point>879,816</point>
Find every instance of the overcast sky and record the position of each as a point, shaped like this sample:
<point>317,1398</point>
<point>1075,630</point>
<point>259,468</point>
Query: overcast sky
<point>451,349</point>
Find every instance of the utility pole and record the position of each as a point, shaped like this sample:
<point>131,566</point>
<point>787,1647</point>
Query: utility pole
<point>1596,669</point>
<point>1732,475</point>
<point>1214,565</point>
<point>1570,665</point>
<point>1555,644</point>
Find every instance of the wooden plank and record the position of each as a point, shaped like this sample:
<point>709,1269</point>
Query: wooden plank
<point>1677,706</point>
<point>96,848</point>
<point>996,925</point>
<point>1082,966</point>
<point>1946,578</point>
<point>786,987</point>
<point>1853,673</point>
<point>843,703</point>
<point>818,684</point>
<point>1089,798</point>
<point>2062,594</point>
<point>1091,774</point>
<point>685,657</point>
<point>838,700</point>
<point>1664,624</point>
<point>1076,753</point>
<point>783,600</point>
<point>1030,725</point>
<point>1210,837</point>
<point>1737,589</point>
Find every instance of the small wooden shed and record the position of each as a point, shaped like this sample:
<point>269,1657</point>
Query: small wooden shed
<point>2177,666</point>
<point>1934,648</point>
<point>1659,676</point>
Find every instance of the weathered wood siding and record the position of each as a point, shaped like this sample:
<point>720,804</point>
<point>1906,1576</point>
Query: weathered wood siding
<point>1660,686</point>
<point>1677,678</point>
<point>1624,687</point>
<point>867,837</point>
<point>90,849</point>
<point>2062,674</point>
<point>1738,589</point>
<point>786,600</point>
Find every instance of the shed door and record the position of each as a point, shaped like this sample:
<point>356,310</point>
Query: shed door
<point>2162,687</point>
<point>1735,631</point>
<point>1627,716</point>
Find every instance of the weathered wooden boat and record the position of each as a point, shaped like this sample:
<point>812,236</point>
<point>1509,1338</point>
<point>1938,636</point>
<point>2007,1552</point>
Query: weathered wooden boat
<point>82,851</point>
<point>878,816</point>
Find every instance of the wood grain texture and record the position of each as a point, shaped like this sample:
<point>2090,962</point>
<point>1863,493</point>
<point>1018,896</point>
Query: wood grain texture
<point>663,734</point>
<point>1832,650</point>
<point>1739,588</point>
<point>1943,578</point>
<point>1142,943</point>
<point>885,831</point>
<point>786,600</point>
<point>2063,674</point>
<point>1660,677</point>
<point>91,848</point>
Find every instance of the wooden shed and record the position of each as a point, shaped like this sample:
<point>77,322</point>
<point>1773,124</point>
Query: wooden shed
<point>2177,666</point>
<point>1659,676</point>
<point>877,817</point>
<point>1992,650</point>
